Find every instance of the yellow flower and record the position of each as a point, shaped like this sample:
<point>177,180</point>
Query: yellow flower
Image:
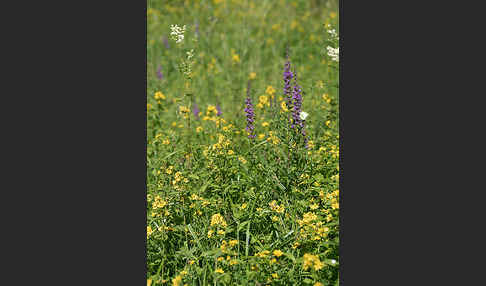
<point>328,123</point>
<point>174,124</point>
<point>169,170</point>
<point>335,205</point>
<point>231,152</point>
<point>332,15</point>
<point>233,242</point>
<point>210,233</point>
<point>212,110</point>
<point>191,262</point>
<point>220,258</point>
<point>326,98</point>
<point>199,129</point>
<point>221,232</point>
<point>284,106</point>
<point>177,280</point>
<point>149,231</point>
<point>242,160</point>
<point>233,262</point>
<point>274,218</point>
<point>166,142</point>
<point>270,90</point>
<point>219,270</point>
<point>263,100</point>
<point>265,124</point>
<point>243,206</point>
<point>261,136</point>
<point>273,205</point>
<point>318,284</point>
<point>275,275</point>
<point>183,109</point>
<point>253,75</point>
<point>149,282</point>
<point>148,108</point>
<point>218,219</point>
<point>312,261</point>
<point>236,58</point>
<point>159,95</point>
<point>277,252</point>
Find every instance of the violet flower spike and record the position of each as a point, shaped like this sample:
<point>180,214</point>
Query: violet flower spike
<point>250,114</point>
<point>297,105</point>
<point>287,76</point>
<point>218,108</point>
<point>195,111</point>
<point>159,73</point>
<point>166,42</point>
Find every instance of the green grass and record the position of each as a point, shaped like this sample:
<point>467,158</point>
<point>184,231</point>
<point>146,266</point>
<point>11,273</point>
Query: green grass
<point>224,209</point>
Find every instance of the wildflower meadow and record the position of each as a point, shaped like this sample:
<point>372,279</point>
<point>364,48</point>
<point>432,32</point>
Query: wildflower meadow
<point>242,142</point>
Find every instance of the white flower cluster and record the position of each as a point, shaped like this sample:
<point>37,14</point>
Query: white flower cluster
<point>333,53</point>
<point>190,54</point>
<point>303,115</point>
<point>186,65</point>
<point>332,33</point>
<point>177,33</point>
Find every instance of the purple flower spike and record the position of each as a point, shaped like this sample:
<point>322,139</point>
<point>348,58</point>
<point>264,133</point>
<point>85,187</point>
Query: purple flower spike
<point>250,114</point>
<point>195,111</point>
<point>297,105</point>
<point>218,108</point>
<point>166,42</point>
<point>159,73</point>
<point>287,76</point>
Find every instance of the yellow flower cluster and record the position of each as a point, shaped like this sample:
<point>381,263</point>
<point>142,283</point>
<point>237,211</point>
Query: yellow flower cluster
<point>263,101</point>
<point>222,144</point>
<point>158,203</point>
<point>242,159</point>
<point>272,138</point>
<point>326,98</point>
<point>334,151</point>
<point>273,205</point>
<point>234,56</point>
<point>211,115</point>
<point>311,228</point>
<point>178,178</point>
<point>218,219</point>
<point>334,199</point>
<point>262,254</point>
<point>149,231</point>
<point>312,261</point>
<point>211,110</point>
<point>283,105</point>
<point>184,110</point>
<point>228,127</point>
<point>169,170</point>
<point>270,90</point>
<point>158,96</point>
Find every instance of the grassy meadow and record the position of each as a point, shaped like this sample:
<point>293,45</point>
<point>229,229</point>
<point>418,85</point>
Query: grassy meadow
<point>242,148</point>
